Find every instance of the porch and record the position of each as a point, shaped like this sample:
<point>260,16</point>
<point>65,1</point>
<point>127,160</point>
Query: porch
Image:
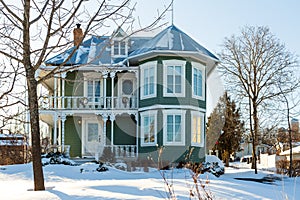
<point>84,103</point>
<point>123,152</point>
<point>90,135</point>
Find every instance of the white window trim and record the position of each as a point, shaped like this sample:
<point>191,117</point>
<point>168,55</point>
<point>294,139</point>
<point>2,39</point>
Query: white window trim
<point>174,112</point>
<point>167,63</point>
<point>143,67</point>
<point>149,113</point>
<point>92,76</point>
<point>202,69</point>
<point>119,49</point>
<point>124,77</point>
<point>201,115</point>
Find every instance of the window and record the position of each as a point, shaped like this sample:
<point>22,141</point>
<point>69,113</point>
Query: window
<point>174,127</point>
<point>93,90</point>
<point>174,78</point>
<point>119,48</point>
<point>198,81</point>
<point>148,128</point>
<point>197,125</point>
<point>127,87</point>
<point>92,132</point>
<point>148,80</point>
<point>93,87</point>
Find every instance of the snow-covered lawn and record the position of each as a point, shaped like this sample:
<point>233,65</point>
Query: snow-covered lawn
<point>67,182</point>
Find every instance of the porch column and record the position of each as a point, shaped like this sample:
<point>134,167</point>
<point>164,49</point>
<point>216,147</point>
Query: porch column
<point>136,91</point>
<point>137,133</point>
<point>104,118</point>
<point>55,91</point>
<point>59,130</point>
<point>59,91</point>
<point>104,90</point>
<point>112,119</point>
<point>63,76</point>
<point>55,129</point>
<point>63,119</point>
<point>112,76</point>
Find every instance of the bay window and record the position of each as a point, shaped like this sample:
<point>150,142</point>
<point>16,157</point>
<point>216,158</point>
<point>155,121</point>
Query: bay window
<point>197,126</point>
<point>174,127</point>
<point>148,80</point>
<point>174,78</point>
<point>149,128</point>
<point>198,81</point>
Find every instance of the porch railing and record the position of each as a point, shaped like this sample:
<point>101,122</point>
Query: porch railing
<point>123,151</point>
<point>80,102</point>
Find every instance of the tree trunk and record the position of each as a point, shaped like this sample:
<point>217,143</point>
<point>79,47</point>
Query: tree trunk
<point>35,133</point>
<point>255,138</point>
<point>227,157</point>
<point>33,103</point>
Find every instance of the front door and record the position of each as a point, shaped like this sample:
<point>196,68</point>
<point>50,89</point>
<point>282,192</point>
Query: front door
<point>93,141</point>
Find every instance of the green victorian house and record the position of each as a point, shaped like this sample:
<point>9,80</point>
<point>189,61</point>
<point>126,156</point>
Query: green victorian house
<point>130,96</point>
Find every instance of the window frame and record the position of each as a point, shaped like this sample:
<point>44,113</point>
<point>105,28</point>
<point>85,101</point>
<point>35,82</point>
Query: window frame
<point>119,47</point>
<point>201,68</point>
<point>202,128</point>
<point>152,113</point>
<point>92,76</point>
<point>174,63</point>
<point>172,112</point>
<point>143,67</point>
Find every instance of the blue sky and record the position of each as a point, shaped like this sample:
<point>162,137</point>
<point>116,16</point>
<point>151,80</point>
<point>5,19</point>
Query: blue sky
<point>208,22</point>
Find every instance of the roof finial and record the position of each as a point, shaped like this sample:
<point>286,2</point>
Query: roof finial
<point>172,12</point>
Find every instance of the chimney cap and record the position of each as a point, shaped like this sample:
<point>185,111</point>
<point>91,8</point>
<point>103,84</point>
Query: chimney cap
<point>78,25</point>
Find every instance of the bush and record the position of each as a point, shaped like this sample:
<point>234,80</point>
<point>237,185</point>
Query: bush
<point>282,167</point>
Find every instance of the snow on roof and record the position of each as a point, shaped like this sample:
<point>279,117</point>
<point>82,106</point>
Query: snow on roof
<point>97,50</point>
<point>11,135</point>
<point>172,39</point>
<point>12,139</point>
<point>295,150</point>
<point>85,53</point>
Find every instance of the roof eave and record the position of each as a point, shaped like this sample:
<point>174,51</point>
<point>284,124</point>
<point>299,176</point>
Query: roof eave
<point>211,62</point>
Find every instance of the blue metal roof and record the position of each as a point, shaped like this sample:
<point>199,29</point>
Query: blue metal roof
<point>92,51</point>
<point>172,39</point>
<point>97,50</point>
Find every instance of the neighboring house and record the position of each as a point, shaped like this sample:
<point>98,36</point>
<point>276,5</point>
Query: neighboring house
<point>295,153</point>
<point>131,95</point>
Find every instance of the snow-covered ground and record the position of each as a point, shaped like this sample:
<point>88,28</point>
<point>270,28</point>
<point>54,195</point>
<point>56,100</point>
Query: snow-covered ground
<point>67,182</point>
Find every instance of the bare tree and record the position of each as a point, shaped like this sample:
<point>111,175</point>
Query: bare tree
<point>31,30</point>
<point>253,64</point>
<point>10,93</point>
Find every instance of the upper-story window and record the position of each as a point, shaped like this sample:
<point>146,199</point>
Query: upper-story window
<point>119,43</point>
<point>198,81</point>
<point>119,48</point>
<point>174,78</point>
<point>93,87</point>
<point>148,80</point>
<point>93,90</point>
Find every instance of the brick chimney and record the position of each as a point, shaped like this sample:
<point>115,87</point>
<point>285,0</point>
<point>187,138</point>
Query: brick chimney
<point>78,34</point>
